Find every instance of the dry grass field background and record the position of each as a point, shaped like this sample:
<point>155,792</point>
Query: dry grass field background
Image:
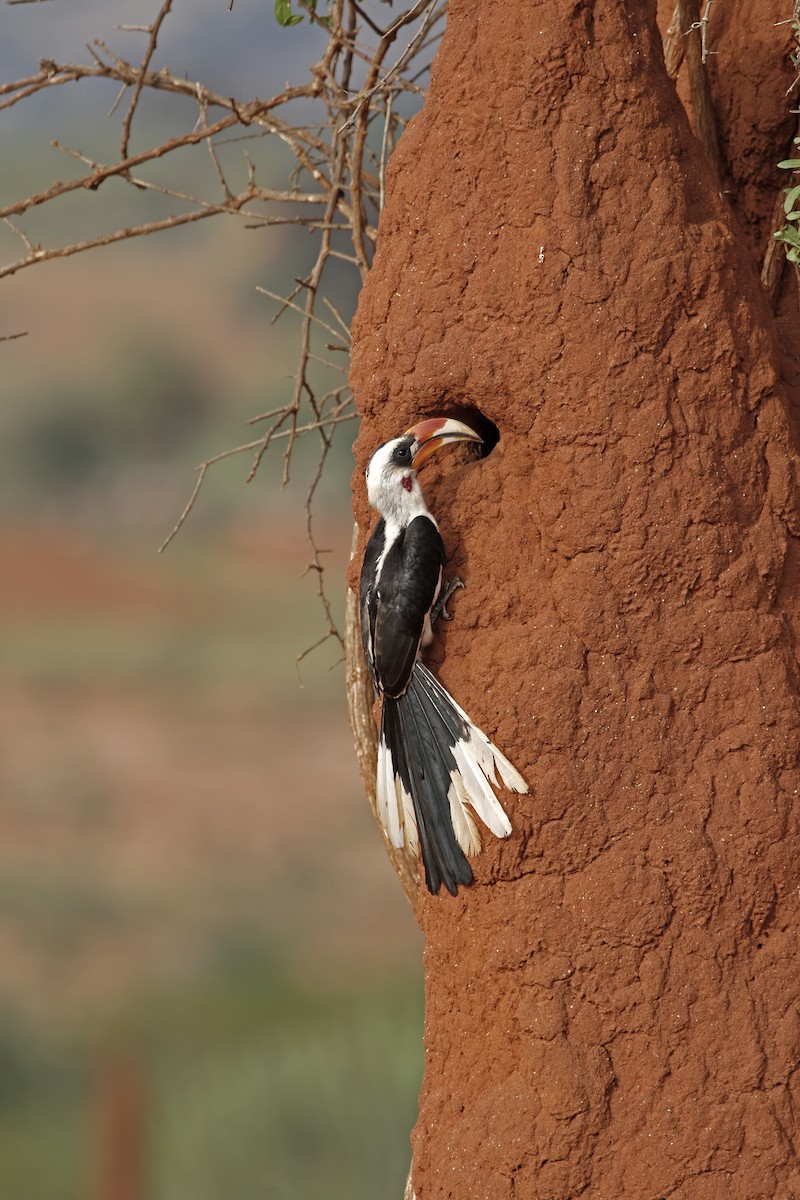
<point>210,977</point>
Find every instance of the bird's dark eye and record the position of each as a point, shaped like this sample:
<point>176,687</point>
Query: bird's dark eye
<point>402,454</point>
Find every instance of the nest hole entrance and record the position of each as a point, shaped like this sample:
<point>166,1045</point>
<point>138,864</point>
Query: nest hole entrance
<point>486,429</point>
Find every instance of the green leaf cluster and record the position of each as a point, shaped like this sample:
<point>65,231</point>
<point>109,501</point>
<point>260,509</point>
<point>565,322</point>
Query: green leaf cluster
<point>790,234</point>
<point>284,15</point>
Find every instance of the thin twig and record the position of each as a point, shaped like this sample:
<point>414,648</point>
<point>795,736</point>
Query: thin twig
<point>201,474</point>
<point>154,31</point>
<point>326,300</point>
<point>209,462</point>
<point>369,91</point>
<point>296,308</point>
<point>38,255</point>
<point>704,30</point>
<point>387,124</point>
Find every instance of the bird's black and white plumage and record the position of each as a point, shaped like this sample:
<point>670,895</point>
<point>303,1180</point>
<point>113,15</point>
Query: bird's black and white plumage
<point>435,768</point>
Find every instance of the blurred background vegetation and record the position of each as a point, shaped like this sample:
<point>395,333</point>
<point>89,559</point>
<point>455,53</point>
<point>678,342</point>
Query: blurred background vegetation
<point>210,982</point>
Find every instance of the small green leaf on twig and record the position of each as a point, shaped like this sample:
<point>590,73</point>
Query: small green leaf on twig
<point>791,200</point>
<point>790,235</point>
<point>284,15</point>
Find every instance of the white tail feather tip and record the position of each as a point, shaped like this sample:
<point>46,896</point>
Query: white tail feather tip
<point>479,793</point>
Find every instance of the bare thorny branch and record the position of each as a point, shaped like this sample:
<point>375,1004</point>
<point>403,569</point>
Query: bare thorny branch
<point>340,158</point>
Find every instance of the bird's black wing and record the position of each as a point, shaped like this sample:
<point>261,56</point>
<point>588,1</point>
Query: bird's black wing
<point>368,606</point>
<point>406,588</point>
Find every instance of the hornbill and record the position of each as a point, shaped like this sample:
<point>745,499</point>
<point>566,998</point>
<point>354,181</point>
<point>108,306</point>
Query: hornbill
<point>434,766</point>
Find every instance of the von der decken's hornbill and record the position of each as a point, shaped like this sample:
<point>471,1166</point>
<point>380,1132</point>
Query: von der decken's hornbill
<point>434,766</point>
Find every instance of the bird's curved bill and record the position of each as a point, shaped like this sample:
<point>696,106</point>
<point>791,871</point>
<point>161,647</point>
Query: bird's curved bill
<point>435,432</point>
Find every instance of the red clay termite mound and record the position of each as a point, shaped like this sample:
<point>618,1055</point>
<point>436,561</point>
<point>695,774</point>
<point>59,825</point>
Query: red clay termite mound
<point>612,1008</point>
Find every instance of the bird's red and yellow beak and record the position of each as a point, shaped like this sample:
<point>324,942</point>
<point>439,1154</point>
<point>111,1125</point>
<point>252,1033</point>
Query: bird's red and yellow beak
<point>435,432</point>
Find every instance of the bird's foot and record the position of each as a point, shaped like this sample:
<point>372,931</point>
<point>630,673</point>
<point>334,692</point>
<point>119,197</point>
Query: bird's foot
<point>440,607</point>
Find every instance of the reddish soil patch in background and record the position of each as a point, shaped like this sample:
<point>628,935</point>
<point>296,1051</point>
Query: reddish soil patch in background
<point>157,794</point>
<point>612,1008</point>
<point>48,571</point>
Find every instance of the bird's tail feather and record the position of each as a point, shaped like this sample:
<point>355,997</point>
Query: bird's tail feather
<point>487,754</point>
<point>434,770</point>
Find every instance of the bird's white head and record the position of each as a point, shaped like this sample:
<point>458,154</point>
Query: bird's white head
<point>392,485</point>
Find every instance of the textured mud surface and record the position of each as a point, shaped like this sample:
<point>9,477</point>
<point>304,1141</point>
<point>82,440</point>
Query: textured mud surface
<point>612,1010</point>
